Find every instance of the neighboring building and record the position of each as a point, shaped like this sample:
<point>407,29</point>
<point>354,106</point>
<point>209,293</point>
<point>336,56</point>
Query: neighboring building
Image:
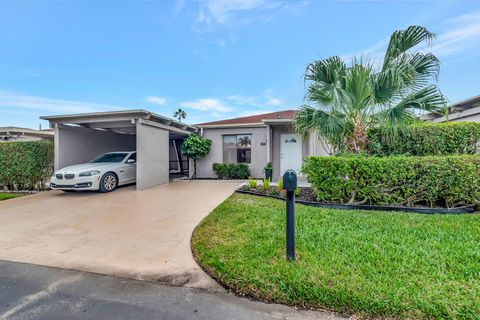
<point>257,140</point>
<point>465,110</point>
<point>24,134</point>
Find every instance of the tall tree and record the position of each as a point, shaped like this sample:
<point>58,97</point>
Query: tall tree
<point>180,114</point>
<point>347,100</point>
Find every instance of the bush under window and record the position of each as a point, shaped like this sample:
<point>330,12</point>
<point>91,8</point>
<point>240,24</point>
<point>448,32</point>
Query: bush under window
<point>231,170</point>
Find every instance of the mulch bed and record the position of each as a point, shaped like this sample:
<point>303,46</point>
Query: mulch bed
<point>307,196</point>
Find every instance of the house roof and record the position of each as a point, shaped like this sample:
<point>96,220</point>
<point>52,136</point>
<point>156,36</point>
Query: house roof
<point>17,131</point>
<point>286,115</point>
<point>120,119</point>
<point>457,110</point>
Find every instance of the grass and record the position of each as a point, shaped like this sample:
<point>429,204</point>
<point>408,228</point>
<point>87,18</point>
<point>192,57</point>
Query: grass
<point>6,196</point>
<point>371,264</point>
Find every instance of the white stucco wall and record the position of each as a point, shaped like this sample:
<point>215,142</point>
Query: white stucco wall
<point>74,145</point>
<point>259,150</point>
<point>152,156</point>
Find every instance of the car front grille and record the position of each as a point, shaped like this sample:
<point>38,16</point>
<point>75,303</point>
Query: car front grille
<point>59,176</point>
<point>69,176</point>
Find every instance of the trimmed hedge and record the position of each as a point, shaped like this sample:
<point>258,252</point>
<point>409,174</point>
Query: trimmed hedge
<point>25,165</point>
<point>231,170</point>
<point>434,181</point>
<point>429,139</point>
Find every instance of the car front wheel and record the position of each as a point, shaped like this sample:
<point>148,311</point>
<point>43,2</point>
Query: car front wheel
<point>108,183</point>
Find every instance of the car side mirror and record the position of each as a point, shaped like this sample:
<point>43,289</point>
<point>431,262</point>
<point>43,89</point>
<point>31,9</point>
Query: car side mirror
<point>131,161</point>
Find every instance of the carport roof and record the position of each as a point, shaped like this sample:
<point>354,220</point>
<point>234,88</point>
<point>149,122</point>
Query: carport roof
<point>102,119</point>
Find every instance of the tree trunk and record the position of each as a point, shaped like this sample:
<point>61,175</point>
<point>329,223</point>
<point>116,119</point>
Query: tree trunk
<point>359,136</point>
<point>194,168</point>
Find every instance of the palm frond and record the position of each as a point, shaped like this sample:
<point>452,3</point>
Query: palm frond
<point>330,125</point>
<point>403,40</point>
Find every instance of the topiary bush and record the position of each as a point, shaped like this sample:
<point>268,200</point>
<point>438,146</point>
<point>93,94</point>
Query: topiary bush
<point>231,170</point>
<point>25,165</point>
<point>433,181</point>
<point>429,139</point>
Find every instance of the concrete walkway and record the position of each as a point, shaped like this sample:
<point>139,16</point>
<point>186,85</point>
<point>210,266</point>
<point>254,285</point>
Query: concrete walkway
<point>35,292</point>
<point>142,235</point>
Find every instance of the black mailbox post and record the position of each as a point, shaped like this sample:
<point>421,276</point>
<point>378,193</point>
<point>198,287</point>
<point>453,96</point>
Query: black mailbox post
<point>290,185</point>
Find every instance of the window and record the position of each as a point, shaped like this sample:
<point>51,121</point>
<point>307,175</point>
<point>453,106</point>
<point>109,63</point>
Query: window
<point>237,148</point>
<point>110,157</point>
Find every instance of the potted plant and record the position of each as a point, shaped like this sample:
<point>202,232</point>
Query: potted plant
<point>268,171</point>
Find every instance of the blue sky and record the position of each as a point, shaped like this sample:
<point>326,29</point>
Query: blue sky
<point>216,59</point>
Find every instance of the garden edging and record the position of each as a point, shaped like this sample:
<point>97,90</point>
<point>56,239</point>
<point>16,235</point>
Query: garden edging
<point>457,210</point>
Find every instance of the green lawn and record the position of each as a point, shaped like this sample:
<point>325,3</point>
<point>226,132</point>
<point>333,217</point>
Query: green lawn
<point>6,196</point>
<point>371,264</point>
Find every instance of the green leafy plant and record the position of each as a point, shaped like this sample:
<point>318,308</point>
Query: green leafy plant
<point>266,184</point>
<point>297,191</point>
<point>25,165</point>
<point>428,139</point>
<point>433,181</point>
<point>280,185</point>
<point>348,100</point>
<point>195,147</point>
<point>269,167</point>
<point>252,183</point>
<point>231,170</point>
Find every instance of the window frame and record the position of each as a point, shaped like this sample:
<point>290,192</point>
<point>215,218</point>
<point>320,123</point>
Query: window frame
<point>236,147</point>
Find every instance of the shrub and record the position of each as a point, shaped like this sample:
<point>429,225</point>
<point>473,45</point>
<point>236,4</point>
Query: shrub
<point>280,184</point>
<point>266,184</point>
<point>25,165</point>
<point>398,180</point>
<point>252,183</point>
<point>429,139</point>
<point>231,170</point>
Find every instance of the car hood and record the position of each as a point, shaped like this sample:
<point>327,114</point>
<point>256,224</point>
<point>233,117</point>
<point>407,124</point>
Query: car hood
<point>85,167</point>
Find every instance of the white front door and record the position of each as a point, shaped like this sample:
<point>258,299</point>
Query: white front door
<point>290,152</point>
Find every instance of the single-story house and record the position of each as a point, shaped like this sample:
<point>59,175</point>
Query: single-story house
<point>24,134</point>
<point>254,140</point>
<point>257,140</point>
<point>461,111</point>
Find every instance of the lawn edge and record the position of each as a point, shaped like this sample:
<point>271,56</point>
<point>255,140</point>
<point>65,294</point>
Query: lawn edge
<point>238,291</point>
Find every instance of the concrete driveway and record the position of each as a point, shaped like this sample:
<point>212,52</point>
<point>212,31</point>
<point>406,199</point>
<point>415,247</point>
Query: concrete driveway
<point>143,235</point>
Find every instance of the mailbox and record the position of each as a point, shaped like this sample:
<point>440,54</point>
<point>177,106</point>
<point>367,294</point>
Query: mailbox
<point>290,180</point>
<point>290,184</point>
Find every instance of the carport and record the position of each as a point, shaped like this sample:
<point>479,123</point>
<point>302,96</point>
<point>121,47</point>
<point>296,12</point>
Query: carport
<point>81,137</point>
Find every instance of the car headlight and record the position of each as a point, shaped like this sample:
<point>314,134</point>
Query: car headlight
<point>89,173</point>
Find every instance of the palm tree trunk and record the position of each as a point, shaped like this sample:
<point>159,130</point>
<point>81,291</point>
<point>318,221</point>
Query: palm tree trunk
<point>359,136</point>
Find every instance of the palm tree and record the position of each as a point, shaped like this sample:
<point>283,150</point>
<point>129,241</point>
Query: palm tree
<point>180,114</point>
<point>348,100</point>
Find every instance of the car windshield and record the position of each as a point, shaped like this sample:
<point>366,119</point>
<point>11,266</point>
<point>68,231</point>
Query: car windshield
<point>110,158</point>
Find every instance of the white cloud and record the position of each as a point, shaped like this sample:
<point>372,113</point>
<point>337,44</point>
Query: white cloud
<point>242,100</point>
<point>461,34</point>
<point>216,21</point>
<point>215,105</point>
<point>270,99</point>
<point>222,11</point>
<point>9,99</point>
<point>156,100</point>
<point>266,99</point>
<point>461,37</point>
